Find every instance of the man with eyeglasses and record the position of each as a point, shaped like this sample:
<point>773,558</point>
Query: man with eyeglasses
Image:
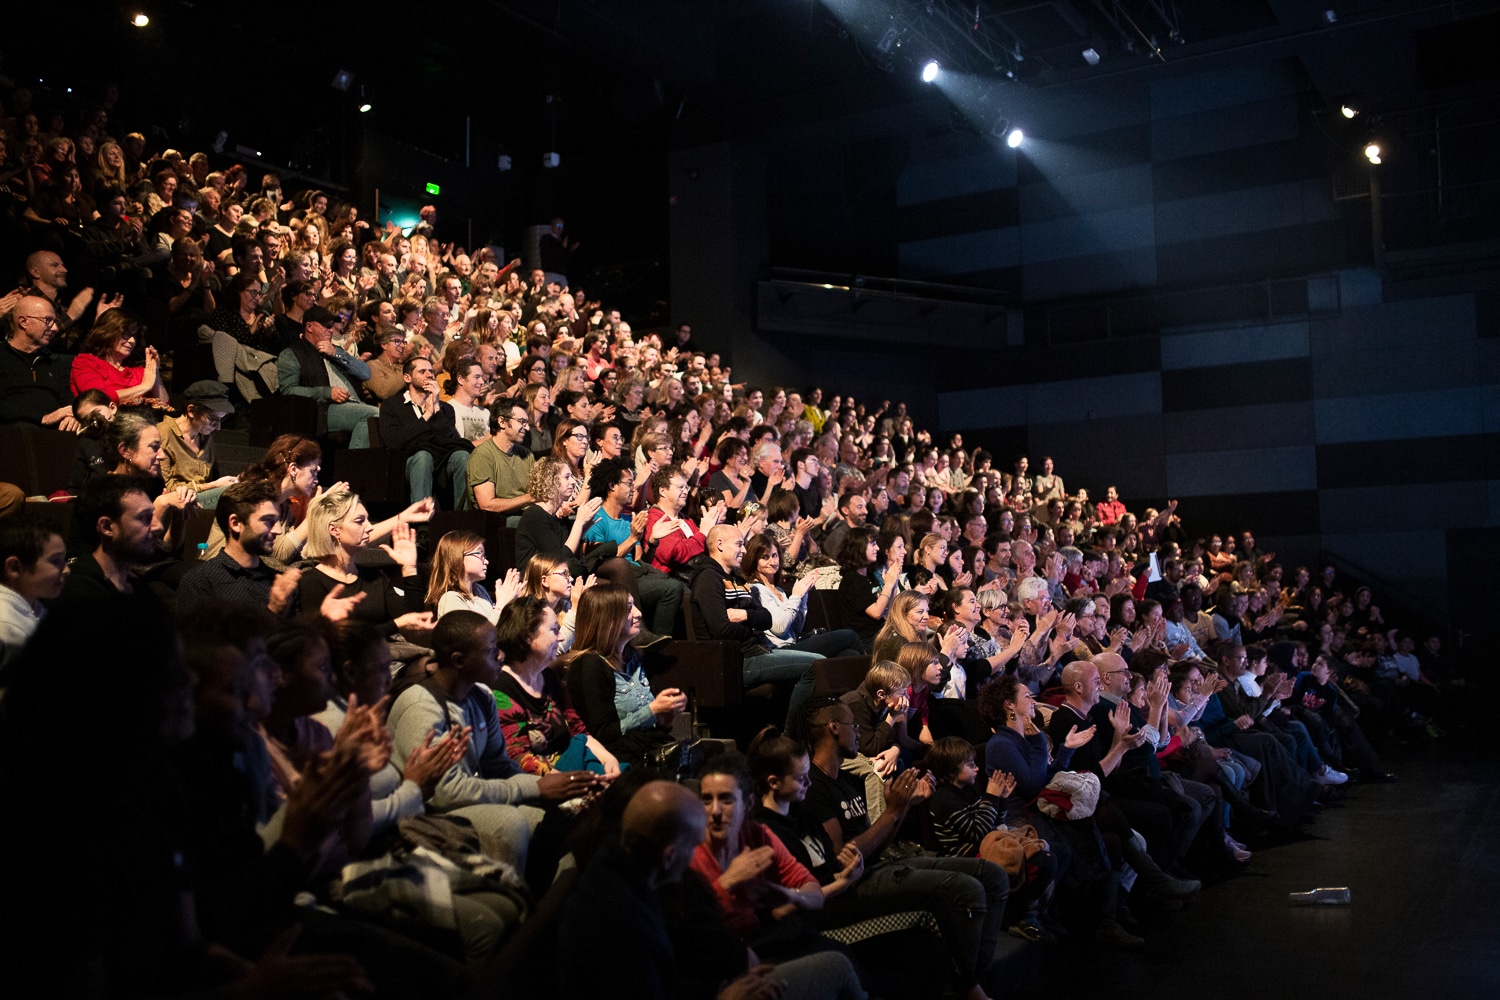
<point>423,428</point>
<point>500,466</point>
<point>33,380</point>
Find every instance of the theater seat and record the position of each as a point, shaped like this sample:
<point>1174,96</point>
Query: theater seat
<point>376,473</point>
<point>37,459</point>
<point>838,675</point>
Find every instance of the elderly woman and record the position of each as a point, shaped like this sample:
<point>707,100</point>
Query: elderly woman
<point>542,730</point>
<point>102,363</point>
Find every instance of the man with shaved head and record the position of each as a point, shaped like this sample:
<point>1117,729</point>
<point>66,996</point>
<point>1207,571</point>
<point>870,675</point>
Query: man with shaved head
<point>1116,755</point>
<point>613,939</point>
<point>725,607</point>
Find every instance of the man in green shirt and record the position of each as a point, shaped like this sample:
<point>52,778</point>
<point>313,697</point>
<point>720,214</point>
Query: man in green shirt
<point>500,466</point>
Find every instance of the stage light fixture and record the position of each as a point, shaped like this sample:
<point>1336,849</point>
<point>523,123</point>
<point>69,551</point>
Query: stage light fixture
<point>1091,56</point>
<point>930,71</point>
<point>342,80</point>
<point>887,41</point>
<point>140,20</point>
<point>1372,152</point>
<point>1347,111</point>
<point>1015,138</point>
<point>364,108</point>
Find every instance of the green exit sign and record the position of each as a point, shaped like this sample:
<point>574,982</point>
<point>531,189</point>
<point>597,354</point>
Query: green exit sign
<point>433,188</point>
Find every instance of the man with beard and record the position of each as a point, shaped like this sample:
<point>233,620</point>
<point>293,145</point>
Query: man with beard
<point>248,517</point>
<point>117,523</point>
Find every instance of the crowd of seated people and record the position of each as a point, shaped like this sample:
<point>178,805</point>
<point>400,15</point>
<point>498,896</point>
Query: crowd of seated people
<point>1067,714</point>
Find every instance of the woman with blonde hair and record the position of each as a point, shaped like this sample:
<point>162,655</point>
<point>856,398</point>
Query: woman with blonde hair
<point>459,566</point>
<point>338,529</point>
<point>549,581</point>
<point>906,621</point>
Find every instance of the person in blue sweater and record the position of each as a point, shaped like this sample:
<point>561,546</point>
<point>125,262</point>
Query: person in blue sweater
<point>1085,878</point>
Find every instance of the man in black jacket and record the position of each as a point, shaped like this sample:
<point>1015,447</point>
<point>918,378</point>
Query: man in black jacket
<point>423,428</point>
<point>728,609</point>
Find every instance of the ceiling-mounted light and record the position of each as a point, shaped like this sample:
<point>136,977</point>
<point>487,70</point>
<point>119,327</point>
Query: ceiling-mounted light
<point>1015,138</point>
<point>140,20</point>
<point>364,108</point>
<point>1347,111</point>
<point>930,71</point>
<point>1372,152</point>
<point>1091,56</point>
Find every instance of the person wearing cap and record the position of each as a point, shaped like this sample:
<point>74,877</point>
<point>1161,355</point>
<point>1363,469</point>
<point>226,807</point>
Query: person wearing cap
<point>385,378</point>
<point>188,455</point>
<point>315,368</point>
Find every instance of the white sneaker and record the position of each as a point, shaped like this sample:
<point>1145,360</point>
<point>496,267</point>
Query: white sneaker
<point>1333,777</point>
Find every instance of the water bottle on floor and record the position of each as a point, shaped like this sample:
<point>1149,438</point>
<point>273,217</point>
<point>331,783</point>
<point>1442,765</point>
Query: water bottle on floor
<point>1337,896</point>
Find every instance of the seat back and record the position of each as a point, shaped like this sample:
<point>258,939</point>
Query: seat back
<point>39,460</point>
<point>273,416</point>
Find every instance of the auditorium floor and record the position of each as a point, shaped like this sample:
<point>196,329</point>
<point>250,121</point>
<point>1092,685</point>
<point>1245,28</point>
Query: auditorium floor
<point>1422,858</point>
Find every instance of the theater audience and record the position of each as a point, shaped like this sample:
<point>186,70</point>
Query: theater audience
<point>1198,741</point>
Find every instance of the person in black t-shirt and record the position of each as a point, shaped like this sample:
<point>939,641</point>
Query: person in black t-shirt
<point>966,895</point>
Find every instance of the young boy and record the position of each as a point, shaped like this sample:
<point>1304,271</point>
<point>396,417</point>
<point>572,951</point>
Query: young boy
<point>33,568</point>
<point>962,816</point>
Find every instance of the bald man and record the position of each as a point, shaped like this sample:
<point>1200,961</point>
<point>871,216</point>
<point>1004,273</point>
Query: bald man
<point>48,277</point>
<point>1125,762</point>
<point>727,608</point>
<point>34,381</point>
<point>614,909</point>
<point>614,905</point>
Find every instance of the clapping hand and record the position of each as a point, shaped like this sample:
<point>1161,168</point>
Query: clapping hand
<point>1076,739</point>
<point>507,587</point>
<point>433,759</point>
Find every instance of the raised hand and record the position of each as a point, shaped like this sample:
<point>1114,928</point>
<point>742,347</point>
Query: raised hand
<point>282,589</point>
<point>402,547</point>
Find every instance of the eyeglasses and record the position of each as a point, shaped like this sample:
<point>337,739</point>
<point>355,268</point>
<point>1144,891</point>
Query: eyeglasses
<point>476,552</point>
<point>48,322</point>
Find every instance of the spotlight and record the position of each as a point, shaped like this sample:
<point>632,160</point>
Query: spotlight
<point>1372,152</point>
<point>1091,56</point>
<point>364,108</point>
<point>1015,138</point>
<point>140,20</point>
<point>930,71</point>
<point>342,80</point>
<point>887,41</point>
<point>1347,111</point>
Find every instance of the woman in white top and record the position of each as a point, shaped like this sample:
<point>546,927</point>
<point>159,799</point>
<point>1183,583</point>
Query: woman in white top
<point>548,580</point>
<point>459,566</point>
